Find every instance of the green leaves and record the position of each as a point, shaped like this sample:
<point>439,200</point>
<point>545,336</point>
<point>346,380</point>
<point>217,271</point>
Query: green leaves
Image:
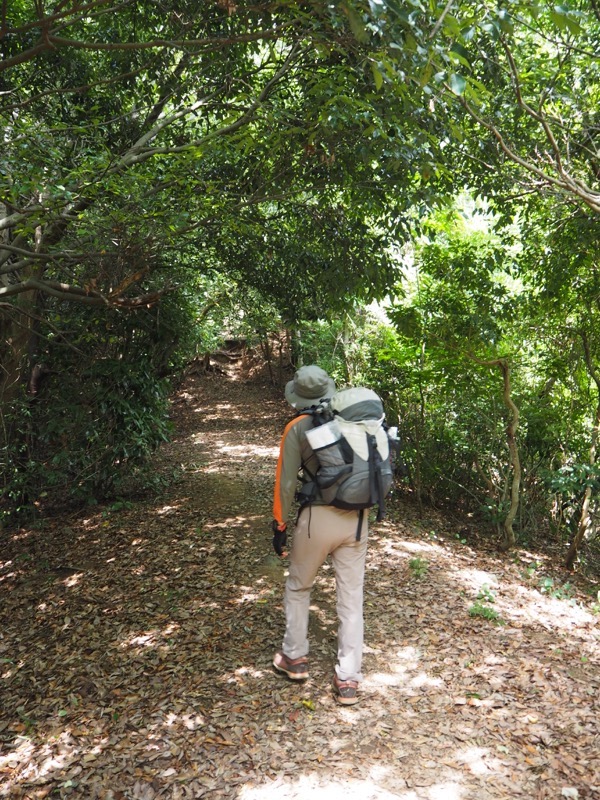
<point>457,84</point>
<point>377,76</point>
<point>356,21</point>
<point>565,19</point>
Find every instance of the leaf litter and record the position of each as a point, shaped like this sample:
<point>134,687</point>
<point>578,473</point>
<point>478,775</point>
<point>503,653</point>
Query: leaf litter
<point>136,646</point>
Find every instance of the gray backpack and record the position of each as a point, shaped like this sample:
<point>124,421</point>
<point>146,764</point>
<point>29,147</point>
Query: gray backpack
<point>353,447</point>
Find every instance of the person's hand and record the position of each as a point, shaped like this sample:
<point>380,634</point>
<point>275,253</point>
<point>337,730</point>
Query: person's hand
<point>279,536</point>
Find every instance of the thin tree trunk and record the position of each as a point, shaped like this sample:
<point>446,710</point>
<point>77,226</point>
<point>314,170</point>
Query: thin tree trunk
<point>296,348</point>
<point>20,331</point>
<point>281,344</point>
<point>18,347</point>
<point>346,339</point>
<point>419,428</point>
<point>511,440</point>
<point>584,518</point>
<point>511,431</point>
<point>266,348</point>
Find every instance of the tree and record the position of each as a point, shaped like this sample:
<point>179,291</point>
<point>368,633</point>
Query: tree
<point>459,310</point>
<point>526,76</point>
<point>559,266</point>
<point>171,124</point>
<point>149,148</point>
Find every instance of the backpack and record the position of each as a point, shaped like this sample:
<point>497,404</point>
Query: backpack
<point>353,448</point>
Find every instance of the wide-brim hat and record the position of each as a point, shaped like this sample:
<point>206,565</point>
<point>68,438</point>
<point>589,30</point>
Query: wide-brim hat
<point>309,386</point>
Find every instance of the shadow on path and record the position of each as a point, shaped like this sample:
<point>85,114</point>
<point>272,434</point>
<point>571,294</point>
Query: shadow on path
<point>136,644</point>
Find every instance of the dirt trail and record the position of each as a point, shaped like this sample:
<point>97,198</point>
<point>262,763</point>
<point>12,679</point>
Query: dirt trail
<point>135,648</point>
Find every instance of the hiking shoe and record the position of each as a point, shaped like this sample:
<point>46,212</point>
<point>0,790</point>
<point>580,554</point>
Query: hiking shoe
<point>295,668</point>
<point>345,691</point>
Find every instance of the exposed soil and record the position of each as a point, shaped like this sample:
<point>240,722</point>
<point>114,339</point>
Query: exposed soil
<point>136,645</point>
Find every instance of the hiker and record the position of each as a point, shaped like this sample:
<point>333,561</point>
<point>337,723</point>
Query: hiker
<point>320,530</point>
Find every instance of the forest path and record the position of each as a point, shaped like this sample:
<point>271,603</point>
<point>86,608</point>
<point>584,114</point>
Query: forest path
<point>136,645</point>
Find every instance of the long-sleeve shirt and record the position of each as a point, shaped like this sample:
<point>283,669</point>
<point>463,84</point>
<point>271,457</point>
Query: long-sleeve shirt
<point>294,454</point>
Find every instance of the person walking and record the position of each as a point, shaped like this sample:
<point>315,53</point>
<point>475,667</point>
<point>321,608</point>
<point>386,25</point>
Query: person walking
<point>320,531</point>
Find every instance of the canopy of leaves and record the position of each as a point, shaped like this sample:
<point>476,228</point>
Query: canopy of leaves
<point>180,123</point>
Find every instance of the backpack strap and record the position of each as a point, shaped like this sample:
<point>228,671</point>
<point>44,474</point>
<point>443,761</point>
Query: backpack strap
<point>320,414</point>
<point>361,516</point>
<point>375,477</point>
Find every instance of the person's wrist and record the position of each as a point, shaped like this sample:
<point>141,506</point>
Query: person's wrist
<point>279,537</point>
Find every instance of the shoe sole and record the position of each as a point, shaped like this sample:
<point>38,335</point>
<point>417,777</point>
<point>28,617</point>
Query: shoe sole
<point>344,701</point>
<point>293,676</point>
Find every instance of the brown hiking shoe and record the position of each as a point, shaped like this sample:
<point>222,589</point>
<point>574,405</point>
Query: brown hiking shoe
<point>295,668</point>
<point>345,691</point>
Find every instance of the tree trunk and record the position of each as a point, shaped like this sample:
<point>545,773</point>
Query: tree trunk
<point>582,527</point>
<point>419,429</point>
<point>17,346</point>
<point>295,348</point>
<point>513,450</point>
<point>584,519</point>
<point>266,348</point>
<point>346,340</point>
<point>511,431</point>
<point>281,348</point>
<point>19,328</point>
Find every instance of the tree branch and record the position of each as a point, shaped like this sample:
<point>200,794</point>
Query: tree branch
<point>44,21</point>
<point>54,42</point>
<point>440,21</point>
<point>83,89</point>
<point>565,183</point>
<point>65,291</point>
<point>60,336</point>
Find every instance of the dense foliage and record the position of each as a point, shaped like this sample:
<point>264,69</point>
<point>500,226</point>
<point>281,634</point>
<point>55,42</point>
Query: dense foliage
<point>171,170</point>
<point>464,324</point>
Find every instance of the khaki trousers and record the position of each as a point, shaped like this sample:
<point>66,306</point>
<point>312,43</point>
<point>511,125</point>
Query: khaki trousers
<point>323,531</point>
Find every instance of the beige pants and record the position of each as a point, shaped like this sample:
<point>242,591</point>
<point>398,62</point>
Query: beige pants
<point>323,531</point>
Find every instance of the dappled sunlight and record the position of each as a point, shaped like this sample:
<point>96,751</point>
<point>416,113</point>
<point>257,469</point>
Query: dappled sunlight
<point>247,596</point>
<point>168,509</point>
<point>315,787</point>
<point>474,579</point>
<point>249,451</point>
<point>21,535</point>
<point>22,759</point>
<point>189,721</point>
<point>151,638</point>
<point>229,411</point>
<point>402,678</point>
<point>425,681</point>
<point>21,753</point>
<point>245,672</point>
<point>150,673</point>
<point>446,791</point>
<point>408,657</point>
<point>260,594</point>
<point>218,412</point>
<point>522,603</point>
<point>227,522</point>
<point>197,605</point>
<point>395,547</point>
<point>534,608</point>
<point>223,452</point>
<point>473,758</point>
<point>35,764</point>
<point>383,680</point>
<point>404,671</point>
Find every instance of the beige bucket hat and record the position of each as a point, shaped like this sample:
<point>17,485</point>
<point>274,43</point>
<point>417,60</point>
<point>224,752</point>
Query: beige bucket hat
<point>309,385</point>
